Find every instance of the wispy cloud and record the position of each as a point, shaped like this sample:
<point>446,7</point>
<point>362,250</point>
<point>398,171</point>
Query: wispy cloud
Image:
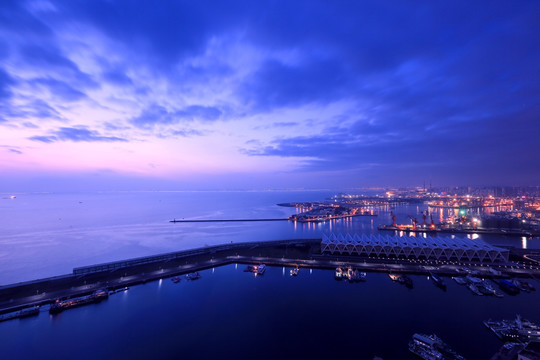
<point>78,134</point>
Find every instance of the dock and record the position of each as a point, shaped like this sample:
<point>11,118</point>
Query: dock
<point>459,230</point>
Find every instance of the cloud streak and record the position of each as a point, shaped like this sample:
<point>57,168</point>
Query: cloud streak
<point>79,134</point>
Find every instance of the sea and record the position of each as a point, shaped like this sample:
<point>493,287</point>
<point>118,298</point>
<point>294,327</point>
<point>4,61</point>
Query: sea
<point>228,313</point>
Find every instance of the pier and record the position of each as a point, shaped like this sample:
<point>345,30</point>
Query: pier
<point>223,220</point>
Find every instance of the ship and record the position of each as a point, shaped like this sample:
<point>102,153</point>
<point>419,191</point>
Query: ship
<point>31,311</point>
<point>193,276</point>
<point>259,270</point>
<point>61,305</point>
<point>460,280</point>
<point>518,330</point>
<point>507,287</point>
<point>473,280</point>
<point>437,280</point>
<point>486,289</point>
<point>353,275</point>
<point>338,275</point>
<point>523,285</point>
<point>256,269</point>
<point>474,289</point>
<point>431,347</point>
<point>358,276</point>
<point>402,279</point>
<point>294,272</point>
<point>407,281</point>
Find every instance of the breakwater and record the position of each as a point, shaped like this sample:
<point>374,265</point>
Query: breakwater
<point>224,220</point>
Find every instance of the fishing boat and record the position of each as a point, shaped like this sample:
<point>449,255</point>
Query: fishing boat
<point>437,280</point>
<point>193,276</point>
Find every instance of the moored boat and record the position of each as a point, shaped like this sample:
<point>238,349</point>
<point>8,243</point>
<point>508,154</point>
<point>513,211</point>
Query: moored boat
<point>507,287</point>
<point>407,281</point>
<point>338,275</point>
<point>523,285</point>
<point>61,305</point>
<point>27,312</point>
<point>193,276</point>
<point>474,289</point>
<point>460,280</point>
<point>431,347</point>
<point>437,280</point>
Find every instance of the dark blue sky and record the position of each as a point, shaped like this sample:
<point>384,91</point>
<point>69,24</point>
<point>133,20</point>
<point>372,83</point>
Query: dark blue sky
<point>259,94</point>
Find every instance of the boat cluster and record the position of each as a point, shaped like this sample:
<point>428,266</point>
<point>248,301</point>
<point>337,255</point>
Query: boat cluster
<point>485,287</point>
<point>190,276</point>
<point>349,274</point>
<point>256,269</point>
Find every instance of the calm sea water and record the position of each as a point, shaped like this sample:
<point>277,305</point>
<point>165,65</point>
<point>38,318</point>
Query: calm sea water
<point>227,313</point>
<point>232,314</point>
<point>44,235</point>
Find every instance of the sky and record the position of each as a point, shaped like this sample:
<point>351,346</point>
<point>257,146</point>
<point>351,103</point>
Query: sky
<point>128,95</point>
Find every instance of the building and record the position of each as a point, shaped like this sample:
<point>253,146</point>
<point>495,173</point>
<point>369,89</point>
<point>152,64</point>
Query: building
<point>410,247</point>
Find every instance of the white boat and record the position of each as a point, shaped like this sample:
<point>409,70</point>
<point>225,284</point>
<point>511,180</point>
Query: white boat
<point>259,270</point>
<point>338,274</point>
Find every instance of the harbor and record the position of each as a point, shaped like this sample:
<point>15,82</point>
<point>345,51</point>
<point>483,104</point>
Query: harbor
<point>294,253</point>
<point>185,302</point>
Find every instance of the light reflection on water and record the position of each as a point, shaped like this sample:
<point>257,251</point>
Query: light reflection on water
<point>71,230</point>
<point>284,310</point>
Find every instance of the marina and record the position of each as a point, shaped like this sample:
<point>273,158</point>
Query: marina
<point>276,291</point>
<point>517,330</point>
<point>293,253</point>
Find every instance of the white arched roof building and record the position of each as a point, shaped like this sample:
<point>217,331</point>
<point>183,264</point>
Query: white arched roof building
<point>460,249</point>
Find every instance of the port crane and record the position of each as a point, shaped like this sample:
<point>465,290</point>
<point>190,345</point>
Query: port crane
<point>393,219</point>
<point>414,221</point>
<point>424,222</point>
<point>432,224</point>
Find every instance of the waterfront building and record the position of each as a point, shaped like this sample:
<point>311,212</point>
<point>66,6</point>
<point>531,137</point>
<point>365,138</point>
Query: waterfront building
<point>410,247</point>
